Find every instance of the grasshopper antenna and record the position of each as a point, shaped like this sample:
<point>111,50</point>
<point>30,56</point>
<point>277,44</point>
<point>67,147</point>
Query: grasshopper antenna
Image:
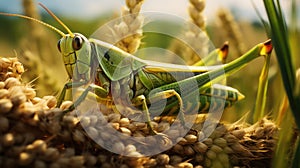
<point>33,19</point>
<point>57,19</point>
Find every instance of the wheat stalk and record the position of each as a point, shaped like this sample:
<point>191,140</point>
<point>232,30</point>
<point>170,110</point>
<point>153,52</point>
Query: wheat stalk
<point>196,9</point>
<point>35,30</point>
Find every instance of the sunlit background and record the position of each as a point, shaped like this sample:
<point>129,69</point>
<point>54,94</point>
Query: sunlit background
<point>93,8</point>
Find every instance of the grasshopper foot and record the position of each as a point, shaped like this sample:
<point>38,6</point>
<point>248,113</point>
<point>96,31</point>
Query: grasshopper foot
<point>63,113</point>
<point>162,139</point>
<point>153,133</point>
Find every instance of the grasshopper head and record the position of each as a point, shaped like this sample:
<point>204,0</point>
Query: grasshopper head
<point>75,50</point>
<point>76,53</point>
<point>74,47</point>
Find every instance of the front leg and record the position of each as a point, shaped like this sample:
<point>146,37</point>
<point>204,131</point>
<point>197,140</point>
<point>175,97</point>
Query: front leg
<point>98,91</point>
<point>67,86</point>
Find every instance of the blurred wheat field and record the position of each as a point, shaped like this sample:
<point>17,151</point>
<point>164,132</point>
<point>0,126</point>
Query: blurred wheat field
<point>248,143</point>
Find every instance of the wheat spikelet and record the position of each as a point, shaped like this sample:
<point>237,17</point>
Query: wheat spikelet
<point>10,67</point>
<point>129,30</point>
<point>196,9</point>
<point>196,37</point>
<point>232,30</point>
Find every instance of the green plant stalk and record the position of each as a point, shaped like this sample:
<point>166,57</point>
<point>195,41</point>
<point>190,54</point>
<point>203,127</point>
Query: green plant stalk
<point>284,143</point>
<point>297,86</point>
<point>294,37</point>
<point>260,104</point>
<point>296,161</point>
<point>279,35</point>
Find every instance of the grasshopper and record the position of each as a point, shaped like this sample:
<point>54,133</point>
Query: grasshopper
<point>110,72</point>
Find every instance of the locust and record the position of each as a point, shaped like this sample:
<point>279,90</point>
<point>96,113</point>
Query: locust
<point>111,73</point>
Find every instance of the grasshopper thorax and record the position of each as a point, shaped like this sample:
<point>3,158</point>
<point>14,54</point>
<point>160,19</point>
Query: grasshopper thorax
<point>76,53</point>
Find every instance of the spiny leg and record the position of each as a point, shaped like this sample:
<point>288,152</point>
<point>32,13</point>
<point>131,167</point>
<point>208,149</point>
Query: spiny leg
<point>142,100</point>
<point>156,97</point>
<point>168,94</point>
<point>78,101</point>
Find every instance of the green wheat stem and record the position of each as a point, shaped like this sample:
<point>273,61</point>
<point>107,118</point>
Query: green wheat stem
<point>279,35</point>
<point>296,162</point>
<point>280,38</point>
<point>284,142</point>
<point>259,111</point>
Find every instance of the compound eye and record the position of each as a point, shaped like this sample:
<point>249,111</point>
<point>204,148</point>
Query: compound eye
<point>58,45</point>
<point>77,43</point>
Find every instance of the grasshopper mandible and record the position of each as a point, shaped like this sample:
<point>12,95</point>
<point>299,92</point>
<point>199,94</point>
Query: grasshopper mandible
<point>98,64</point>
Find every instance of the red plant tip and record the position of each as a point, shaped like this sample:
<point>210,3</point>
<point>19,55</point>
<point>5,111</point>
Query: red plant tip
<point>225,47</point>
<point>224,52</point>
<point>268,47</point>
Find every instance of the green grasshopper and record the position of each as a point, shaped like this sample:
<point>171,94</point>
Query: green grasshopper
<point>110,72</point>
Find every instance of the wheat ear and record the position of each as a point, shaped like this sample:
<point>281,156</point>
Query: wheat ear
<point>232,30</point>
<point>129,30</point>
<point>195,39</point>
